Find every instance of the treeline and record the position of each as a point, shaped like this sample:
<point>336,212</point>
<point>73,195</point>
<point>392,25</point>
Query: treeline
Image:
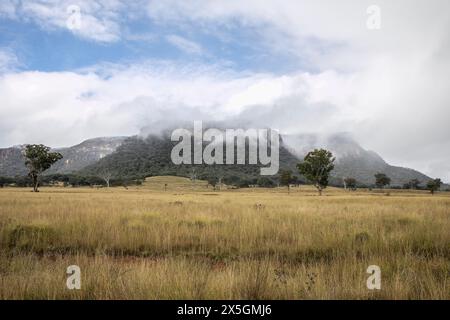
<point>243,182</point>
<point>69,180</point>
<point>283,179</point>
<point>74,180</point>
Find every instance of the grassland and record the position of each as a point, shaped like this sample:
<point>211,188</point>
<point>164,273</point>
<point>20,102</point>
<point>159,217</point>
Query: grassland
<point>190,242</point>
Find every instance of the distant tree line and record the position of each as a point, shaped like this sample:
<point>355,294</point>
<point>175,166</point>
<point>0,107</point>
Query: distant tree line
<point>315,168</point>
<point>69,180</point>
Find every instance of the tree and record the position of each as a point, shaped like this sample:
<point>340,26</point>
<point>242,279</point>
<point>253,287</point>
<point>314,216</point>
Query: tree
<point>316,167</point>
<point>382,180</point>
<point>412,184</point>
<point>219,182</point>
<point>193,176</point>
<point>265,182</point>
<point>213,181</point>
<point>5,181</point>
<point>286,178</point>
<point>350,183</point>
<point>434,185</point>
<point>38,158</point>
<point>106,176</point>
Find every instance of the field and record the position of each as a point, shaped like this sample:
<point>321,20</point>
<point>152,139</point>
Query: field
<point>190,242</point>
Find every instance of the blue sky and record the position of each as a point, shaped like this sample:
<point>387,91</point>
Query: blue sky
<point>61,49</point>
<point>308,66</point>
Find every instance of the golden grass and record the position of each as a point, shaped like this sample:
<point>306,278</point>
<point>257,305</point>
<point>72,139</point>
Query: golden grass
<point>192,243</point>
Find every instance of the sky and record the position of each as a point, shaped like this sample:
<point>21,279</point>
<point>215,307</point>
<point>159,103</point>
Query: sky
<point>379,70</point>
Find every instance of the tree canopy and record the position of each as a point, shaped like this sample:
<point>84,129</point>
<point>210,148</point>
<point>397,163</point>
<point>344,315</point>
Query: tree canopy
<point>382,180</point>
<point>434,185</point>
<point>350,183</point>
<point>316,168</point>
<point>38,159</point>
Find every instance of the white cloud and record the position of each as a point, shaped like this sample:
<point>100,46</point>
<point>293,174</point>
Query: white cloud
<point>100,19</point>
<point>185,45</point>
<point>63,108</point>
<point>7,9</point>
<point>86,103</point>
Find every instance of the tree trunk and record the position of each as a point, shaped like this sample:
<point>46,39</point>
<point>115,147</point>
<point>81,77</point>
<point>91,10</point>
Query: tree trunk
<point>34,178</point>
<point>319,188</point>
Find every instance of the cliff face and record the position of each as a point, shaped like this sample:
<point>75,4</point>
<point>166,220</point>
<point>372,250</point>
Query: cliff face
<point>85,153</point>
<point>12,162</point>
<point>75,157</point>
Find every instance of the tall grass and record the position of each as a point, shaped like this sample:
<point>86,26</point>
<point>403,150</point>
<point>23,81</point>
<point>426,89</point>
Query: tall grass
<point>145,243</point>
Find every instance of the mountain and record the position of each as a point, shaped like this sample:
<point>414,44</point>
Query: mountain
<point>88,152</point>
<point>135,156</point>
<point>138,157</point>
<point>151,156</point>
<point>351,159</point>
<point>74,158</point>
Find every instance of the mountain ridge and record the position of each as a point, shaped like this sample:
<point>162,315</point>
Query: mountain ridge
<point>74,158</point>
<point>139,156</point>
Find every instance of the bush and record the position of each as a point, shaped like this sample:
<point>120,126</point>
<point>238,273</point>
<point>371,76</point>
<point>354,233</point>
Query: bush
<point>265,182</point>
<point>32,237</point>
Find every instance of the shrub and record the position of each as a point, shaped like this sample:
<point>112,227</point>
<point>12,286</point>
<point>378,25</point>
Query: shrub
<point>32,237</point>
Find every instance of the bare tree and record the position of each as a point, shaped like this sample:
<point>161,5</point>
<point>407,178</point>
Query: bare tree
<point>193,176</point>
<point>219,184</point>
<point>106,176</point>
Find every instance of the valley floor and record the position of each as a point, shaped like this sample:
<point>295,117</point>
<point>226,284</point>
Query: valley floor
<point>190,242</point>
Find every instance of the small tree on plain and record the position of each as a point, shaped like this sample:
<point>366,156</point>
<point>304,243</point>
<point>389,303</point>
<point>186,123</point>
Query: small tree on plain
<point>193,176</point>
<point>434,185</point>
<point>382,180</point>
<point>286,179</point>
<point>316,167</point>
<point>414,184</point>
<point>38,159</point>
<point>350,183</point>
<point>106,175</point>
<point>219,183</point>
<point>213,181</point>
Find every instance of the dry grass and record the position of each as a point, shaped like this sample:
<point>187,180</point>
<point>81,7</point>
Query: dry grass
<point>192,243</point>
